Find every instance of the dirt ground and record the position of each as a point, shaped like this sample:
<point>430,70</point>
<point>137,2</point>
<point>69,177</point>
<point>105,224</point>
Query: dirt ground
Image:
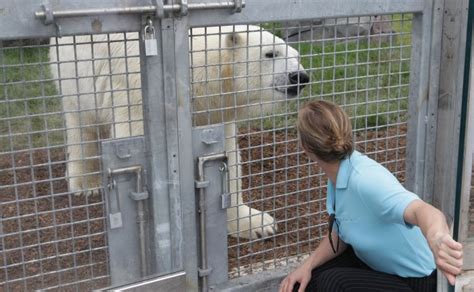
<point>47,231</point>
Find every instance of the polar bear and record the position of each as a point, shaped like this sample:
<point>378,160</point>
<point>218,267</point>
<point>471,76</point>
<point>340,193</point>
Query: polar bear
<point>236,72</point>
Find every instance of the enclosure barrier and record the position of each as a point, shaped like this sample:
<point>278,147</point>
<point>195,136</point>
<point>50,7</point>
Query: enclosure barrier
<point>153,145</point>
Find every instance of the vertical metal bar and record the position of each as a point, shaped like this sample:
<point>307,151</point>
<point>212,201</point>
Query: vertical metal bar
<point>432,112</point>
<point>155,141</point>
<point>462,209</point>
<point>418,99</point>
<point>172,144</point>
<point>186,161</point>
<point>163,133</point>
<point>449,102</point>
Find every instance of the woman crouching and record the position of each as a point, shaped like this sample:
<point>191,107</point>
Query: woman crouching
<point>381,236</point>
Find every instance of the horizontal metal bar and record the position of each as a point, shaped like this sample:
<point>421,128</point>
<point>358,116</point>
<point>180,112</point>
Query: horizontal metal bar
<point>18,20</point>
<point>133,10</point>
<point>257,11</point>
<point>168,282</point>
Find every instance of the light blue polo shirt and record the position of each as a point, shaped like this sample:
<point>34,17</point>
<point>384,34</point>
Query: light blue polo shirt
<point>370,203</point>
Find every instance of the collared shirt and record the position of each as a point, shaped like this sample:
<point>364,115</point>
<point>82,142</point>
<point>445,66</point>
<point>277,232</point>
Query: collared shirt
<point>370,203</point>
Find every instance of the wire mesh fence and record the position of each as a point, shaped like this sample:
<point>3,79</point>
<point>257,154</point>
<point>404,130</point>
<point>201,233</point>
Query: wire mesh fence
<point>52,118</point>
<point>361,63</point>
<point>58,100</point>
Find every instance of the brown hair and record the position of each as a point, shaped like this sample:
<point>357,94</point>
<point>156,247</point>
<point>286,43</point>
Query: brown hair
<point>324,129</point>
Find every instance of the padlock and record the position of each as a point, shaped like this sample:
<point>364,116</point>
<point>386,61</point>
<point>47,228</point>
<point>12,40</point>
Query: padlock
<point>151,47</point>
<point>115,220</point>
<point>115,217</point>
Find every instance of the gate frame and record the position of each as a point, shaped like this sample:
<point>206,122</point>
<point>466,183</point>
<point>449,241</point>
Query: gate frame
<point>174,231</point>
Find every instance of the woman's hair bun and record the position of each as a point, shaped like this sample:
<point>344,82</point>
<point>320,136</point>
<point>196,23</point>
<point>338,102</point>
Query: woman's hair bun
<point>325,130</point>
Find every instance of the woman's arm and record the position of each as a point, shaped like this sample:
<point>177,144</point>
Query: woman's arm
<point>319,256</point>
<point>447,252</point>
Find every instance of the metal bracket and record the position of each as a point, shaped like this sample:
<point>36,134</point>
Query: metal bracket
<point>201,184</point>
<point>159,9</point>
<point>210,136</point>
<point>139,196</point>
<point>48,14</point>
<point>211,185</point>
<point>49,18</point>
<point>204,272</point>
<point>225,197</point>
<point>238,5</point>
<point>125,198</point>
<point>184,8</point>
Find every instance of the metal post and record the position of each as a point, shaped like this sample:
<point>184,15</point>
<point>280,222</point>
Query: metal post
<point>155,126</point>
<point>449,102</point>
<point>418,100</point>
<point>186,158</point>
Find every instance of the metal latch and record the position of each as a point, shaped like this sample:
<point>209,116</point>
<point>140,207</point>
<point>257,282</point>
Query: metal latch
<point>140,195</point>
<point>201,181</point>
<point>225,197</point>
<point>48,16</point>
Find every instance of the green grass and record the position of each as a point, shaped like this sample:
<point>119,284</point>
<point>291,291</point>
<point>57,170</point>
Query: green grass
<point>29,106</point>
<point>369,78</point>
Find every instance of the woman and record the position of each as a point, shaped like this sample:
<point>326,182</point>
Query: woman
<point>381,236</point>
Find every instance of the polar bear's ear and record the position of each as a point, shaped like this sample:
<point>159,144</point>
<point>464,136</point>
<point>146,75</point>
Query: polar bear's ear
<point>234,39</point>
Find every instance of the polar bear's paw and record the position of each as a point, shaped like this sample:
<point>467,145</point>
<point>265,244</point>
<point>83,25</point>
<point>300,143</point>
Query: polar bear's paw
<point>249,223</point>
<point>85,186</point>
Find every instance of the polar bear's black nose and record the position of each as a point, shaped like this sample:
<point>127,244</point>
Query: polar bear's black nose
<point>297,81</point>
<point>299,77</point>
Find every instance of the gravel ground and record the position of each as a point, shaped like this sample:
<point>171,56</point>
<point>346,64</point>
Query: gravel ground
<point>49,231</point>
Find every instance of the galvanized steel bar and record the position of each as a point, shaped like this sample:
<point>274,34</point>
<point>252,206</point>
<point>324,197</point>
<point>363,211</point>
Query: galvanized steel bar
<point>155,125</point>
<point>418,101</point>
<point>450,101</point>
<point>432,111</point>
<point>264,10</point>
<point>186,160</point>
<point>255,11</point>
<point>172,142</point>
<point>51,15</point>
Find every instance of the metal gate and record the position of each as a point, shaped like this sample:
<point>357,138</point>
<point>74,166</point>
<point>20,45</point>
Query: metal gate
<point>154,146</point>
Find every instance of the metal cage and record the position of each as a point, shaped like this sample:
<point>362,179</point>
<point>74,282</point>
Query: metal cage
<point>155,145</point>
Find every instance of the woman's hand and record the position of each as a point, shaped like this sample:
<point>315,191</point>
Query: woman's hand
<point>301,275</point>
<point>448,255</point>
<point>446,251</point>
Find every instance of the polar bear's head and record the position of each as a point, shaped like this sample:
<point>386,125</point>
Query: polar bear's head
<point>239,70</point>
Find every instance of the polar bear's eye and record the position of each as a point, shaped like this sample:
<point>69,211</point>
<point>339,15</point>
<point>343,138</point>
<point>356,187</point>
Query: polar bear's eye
<point>271,54</point>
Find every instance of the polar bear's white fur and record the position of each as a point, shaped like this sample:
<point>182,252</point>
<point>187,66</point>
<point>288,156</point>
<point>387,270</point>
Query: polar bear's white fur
<point>237,72</point>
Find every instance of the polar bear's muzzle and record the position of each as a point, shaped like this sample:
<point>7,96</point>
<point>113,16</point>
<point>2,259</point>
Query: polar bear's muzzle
<point>296,82</point>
